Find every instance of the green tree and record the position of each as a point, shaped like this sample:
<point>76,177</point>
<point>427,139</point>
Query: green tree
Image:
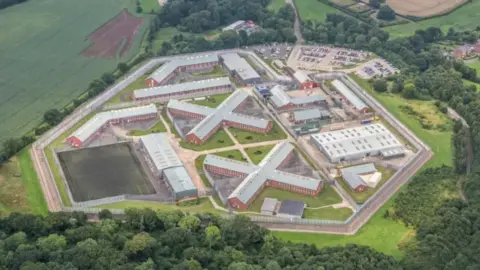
<point>51,243</point>
<point>123,67</point>
<point>139,243</point>
<point>386,13</point>
<point>190,223</point>
<point>380,85</point>
<point>212,235</point>
<point>53,117</point>
<point>409,91</point>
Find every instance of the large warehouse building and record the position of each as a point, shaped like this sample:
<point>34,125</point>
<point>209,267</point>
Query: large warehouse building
<point>349,97</point>
<point>356,143</point>
<point>166,165</point>
<point>240,69</point>
<point>101,120</point>
<point>162,75</point>
<point>266,174</point>
<point>184,90</point>
<point>214,118</point>
<point>282,101</point>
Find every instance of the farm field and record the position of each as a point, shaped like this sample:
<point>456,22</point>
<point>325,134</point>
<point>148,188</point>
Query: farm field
<point>41,62</point>
<point>425,8</point>
<point>463,18</point>
<point>314,10</point>
<point>20,189</point>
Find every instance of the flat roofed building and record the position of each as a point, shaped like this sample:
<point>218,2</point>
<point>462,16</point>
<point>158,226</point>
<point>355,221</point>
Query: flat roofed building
<point>360,177</point>
<point>282,101</point>
<point>213,119</point>
<point>268,207</point>
<point>266,173</point>
<point>240,68</point>
<point>165,164</point>
<point>310,115</point>
<point>349,96</point>
<point>291,209</point>
<point>184,90</point>
<point>355,143</point>
<point>93,126</point>
<point>167,70</point>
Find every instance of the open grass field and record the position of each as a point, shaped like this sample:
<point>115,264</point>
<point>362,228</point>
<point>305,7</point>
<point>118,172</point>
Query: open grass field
<point>314,10</point>
<point>41,62</point>
<point>361,197</point>
<point>213,101</point>
<point>149,5</point>
<point>257,154</point>
<point>328,213</point>
<point>105,171</point>
<point>20,190</point>
<point>218,140</point>
<point>424,8</point>
<point>439,141</point>
<point>343,2</point>
<point>246,137</point>
<point>158,127</point>
<point>328,196</point>
<point>275,5</point>
<point>465,17</point>
<point>204,206</point>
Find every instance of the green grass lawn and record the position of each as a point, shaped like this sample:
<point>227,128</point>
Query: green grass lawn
<point>440,142</point>
<point>327,196</point>
<point>213,101</point>
<point>149,5</point>
<point>20,189</point>
<point>233,154</point>
<point>163,35</point>
<point>361,197</point>
<point>465,17</point>
<point>124,95</point>
<point>246,137</point>
<point>328,213</point>
<point>257,154</point>
<point>157,128</point>
<point>218,140</point>
<point>40,57</point>
<point>314,10</point>
<point>217,71</point>
<point>204,206</point>
<point>275,5</point>
<point>467,82</point>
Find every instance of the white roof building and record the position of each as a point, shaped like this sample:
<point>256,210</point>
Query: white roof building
<point>245,71</point>
<point>280,98</point>
<point>349,95</point>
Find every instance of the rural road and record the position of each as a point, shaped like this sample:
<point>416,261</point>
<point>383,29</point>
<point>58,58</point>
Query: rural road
<point>296,25</point>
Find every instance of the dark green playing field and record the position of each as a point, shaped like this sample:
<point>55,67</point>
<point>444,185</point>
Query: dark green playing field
<point>105,171</point>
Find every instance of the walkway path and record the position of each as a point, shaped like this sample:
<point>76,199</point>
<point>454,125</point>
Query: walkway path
<point>242,149</point>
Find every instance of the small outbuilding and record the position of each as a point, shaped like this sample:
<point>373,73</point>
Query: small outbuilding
<point>268,207</point>
<point>291,209</point>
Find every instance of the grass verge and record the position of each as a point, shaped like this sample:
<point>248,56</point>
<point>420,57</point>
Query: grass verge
<point>212,101</point>
<point>257,154</point>
<point>328,213</point>
<point>246,137</point>
<point>158,127</point>
<point>204,206</point>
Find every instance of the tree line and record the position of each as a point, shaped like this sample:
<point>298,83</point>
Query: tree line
<point>146,239</point>
<point>7,3</point>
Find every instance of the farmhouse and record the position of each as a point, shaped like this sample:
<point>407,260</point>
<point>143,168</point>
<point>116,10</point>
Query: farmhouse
<point>361,177</point>
<point>166,165</point>
<point>356,143</point>
<point>213,119</point>
<point>349,97</point>
<point>240,69</point>
<point>304,80</point>
<point>101,120</point>
<point>162,75</point>
<point>306,116</point>
<point>265,174</point>
<point>184,90</point>
<point>282,101</point>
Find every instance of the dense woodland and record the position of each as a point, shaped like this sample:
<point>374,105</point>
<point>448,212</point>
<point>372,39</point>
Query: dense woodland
<point>7,3</point>
<point>165,240</point>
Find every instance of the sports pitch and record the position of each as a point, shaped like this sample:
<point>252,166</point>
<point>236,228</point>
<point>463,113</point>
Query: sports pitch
<point>105,171</point>
<point>41,62</point>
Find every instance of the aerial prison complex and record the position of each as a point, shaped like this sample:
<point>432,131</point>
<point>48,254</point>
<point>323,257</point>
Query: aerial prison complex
<point>266,174</point>
<point>215,118</point>
<point>165,164</point>
<point>282,101</point>
<point>102,120</point>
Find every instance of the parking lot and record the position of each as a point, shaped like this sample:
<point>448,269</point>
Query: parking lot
<point>376,68</point>
<point>274,51</point>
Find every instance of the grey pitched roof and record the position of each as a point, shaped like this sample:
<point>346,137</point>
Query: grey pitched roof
<point>351,175</point>
<point>234,62</point>
<point>189,107</point>
<point>161,73</point>
<point>100,119</point>
<point>225,112</point>
<point>267,169</point>
<point>179,179</point>
<point>280,98</point>
<point>160,151</point>
<point>358,140</point>
<point>234,165</point>
<point>310,114</point>
<point>181,87</point>
<point>349,95</point>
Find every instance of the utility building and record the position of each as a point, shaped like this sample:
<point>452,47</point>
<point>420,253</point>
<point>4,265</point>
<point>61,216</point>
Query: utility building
<point>304,80</point>
<point>361,177</point>
<point>307,116</point>
<point>266,174</point>
<point>162,75</point>
<point>349,97</point>
<point>240,69</point>
<point>166,165</point>
<point>102,120</point>
<point>356,143</point>
<point>282,101</point>
<point>215,118</point>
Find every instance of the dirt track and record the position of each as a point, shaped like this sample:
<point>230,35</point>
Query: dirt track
<point>423,8</point>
